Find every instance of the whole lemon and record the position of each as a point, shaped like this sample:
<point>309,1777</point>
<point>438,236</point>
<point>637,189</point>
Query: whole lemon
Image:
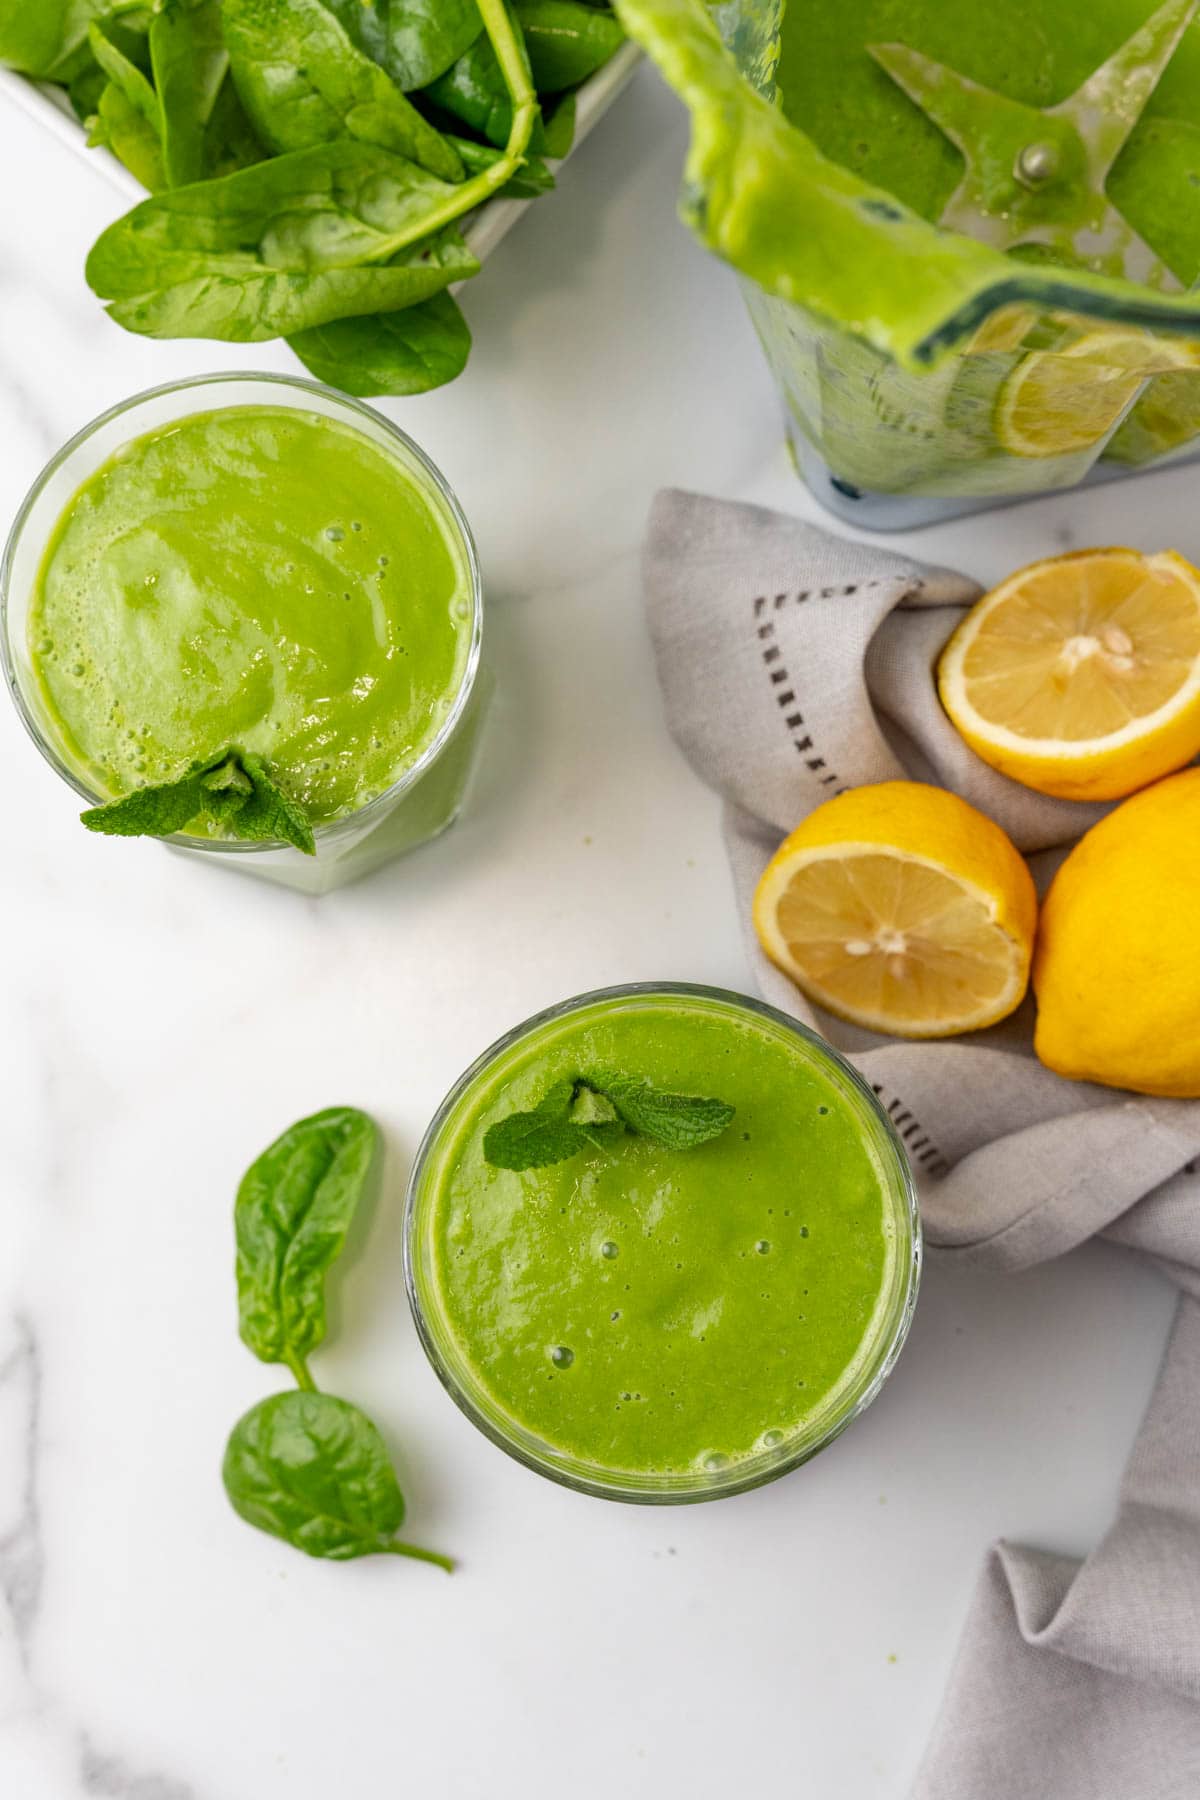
<point>1117,964</point>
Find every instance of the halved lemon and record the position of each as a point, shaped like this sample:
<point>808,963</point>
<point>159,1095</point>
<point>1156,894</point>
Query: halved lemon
<point>901,908</point>
<point>1058,402</point>
<point>1080,676</point>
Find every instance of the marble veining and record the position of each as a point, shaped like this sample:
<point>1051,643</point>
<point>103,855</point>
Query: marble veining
<point>21,1553</point>
<point>22,1568</point>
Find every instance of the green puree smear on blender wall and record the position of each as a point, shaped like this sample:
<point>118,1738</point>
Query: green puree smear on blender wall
<point>662,1304</point>
<point>259,577</point>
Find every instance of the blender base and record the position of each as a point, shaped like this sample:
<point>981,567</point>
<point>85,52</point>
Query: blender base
<point>907,512</point>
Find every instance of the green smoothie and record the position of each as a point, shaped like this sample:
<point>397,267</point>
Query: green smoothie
<point>644,1315</point>
<point>261,576</point>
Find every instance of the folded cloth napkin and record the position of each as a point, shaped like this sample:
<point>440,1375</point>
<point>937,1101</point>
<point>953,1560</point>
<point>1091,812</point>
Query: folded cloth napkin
<point>795,664</point>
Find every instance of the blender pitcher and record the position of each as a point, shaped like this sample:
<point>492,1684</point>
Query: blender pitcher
<point>1024,338</point>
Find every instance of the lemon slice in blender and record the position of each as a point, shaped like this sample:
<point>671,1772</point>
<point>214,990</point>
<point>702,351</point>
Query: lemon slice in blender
<point>1165,419</point>
<point>1057,403</point>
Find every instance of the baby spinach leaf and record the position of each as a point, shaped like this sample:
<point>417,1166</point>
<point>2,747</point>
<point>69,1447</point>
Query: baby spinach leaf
<point>85,90</point>
<point>531,179</point>
<point>280,247</point>
<point>229,138</point>
<point>314,1471</point>
<point>189,61</point>
<point>566,41</point>
<point>414,40</point>
<point>233,786</point>
<point>475,92</point>
<point>47,38</point>
<point>127,77</point>
<point>120,127</point>
<point>407,352</point>
<point>563,43</point>
<point>304,82</point>
<point>295,1205</point>
<point>559,127</point>
<point>598,1110</point>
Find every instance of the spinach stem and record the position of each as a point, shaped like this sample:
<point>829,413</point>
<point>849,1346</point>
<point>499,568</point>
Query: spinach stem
<point>469,194</point>
<point>418,1555</point>
<point>299,1368</point>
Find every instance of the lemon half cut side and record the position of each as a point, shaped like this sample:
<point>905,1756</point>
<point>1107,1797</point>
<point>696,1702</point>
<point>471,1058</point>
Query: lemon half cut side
<point>1080,676</point>
<point>901,908</point>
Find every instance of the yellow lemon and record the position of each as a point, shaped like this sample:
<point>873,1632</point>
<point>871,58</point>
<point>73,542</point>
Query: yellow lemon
<point>1117,969</point>
<point>1080,675</point>
<point>1058,402</point>
<point>901,908</point>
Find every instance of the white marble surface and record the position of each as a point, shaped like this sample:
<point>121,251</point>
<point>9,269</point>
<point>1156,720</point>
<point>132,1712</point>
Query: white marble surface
<point>161,1020</point>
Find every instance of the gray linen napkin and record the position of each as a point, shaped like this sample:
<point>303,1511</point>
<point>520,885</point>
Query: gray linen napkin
<point>795,664</point>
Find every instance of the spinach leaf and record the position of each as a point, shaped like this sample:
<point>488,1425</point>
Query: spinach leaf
<point>120,127</point>
<point>189,61</point>
<point>85,90</point>
<point>407,352</point>
<point>559,132</point>
<point>566,41</point>
<point>280,247</point>
<point>233,787</point>
<point>294,1208</point>
<point>531,179</point>
<point>414,40</point>
<point>303,82</point>
<point>563,43</point>
<point>127,77</point>
<point>229,138</point>
<point>48,38</point>
<point>475,92</point>
<point>314,1471</point>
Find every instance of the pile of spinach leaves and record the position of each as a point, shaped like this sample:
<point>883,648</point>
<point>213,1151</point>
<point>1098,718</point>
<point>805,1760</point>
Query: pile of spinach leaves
<point>310,162</point>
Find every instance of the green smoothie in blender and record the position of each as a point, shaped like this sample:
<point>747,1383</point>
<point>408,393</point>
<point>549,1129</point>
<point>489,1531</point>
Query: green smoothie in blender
<point>968,233</point>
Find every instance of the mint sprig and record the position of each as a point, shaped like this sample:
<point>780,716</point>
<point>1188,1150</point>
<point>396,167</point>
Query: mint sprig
<point>597,1111</point>
<point>233,786</point>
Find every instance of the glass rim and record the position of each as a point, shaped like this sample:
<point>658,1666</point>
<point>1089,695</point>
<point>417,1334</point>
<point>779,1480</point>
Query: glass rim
<point>328,829</point>
<point>763,1466</point>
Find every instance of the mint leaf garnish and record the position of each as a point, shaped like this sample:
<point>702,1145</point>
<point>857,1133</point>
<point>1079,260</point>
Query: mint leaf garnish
<point>680,1121</point>
<point>599,1110</point>
<point>532,1140</point>
<point>233,786</point>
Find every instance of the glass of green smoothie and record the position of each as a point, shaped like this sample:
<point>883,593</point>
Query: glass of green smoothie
<point>646,1322</point>
<point>253,561</point>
